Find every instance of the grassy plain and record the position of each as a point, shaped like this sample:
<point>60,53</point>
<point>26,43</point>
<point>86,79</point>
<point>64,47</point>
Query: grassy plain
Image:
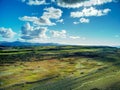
<point>60,68</point>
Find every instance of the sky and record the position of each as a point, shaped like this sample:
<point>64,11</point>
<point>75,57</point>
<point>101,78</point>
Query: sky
<point>75,22</point>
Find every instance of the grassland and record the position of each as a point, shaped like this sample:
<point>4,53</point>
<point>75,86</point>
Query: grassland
<point>60,68</point>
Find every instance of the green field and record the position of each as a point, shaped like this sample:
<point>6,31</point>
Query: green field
<point>60,68</point>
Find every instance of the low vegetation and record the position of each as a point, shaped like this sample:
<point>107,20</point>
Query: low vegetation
<point>60,68</point>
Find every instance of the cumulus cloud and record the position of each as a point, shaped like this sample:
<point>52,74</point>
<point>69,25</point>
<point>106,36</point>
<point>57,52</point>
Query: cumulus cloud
<point>84,20</point>
<point>29,32</point>
<point>37,21</point>
<point>52,13</point>
<point>62,34</point>
<point>6,32</point>
<point>59,34</point>
<point>87,12</point>
<point>45,19</point>
<point>38,34</point>
<point>69,3</point>
<point>80,3</point>
<point>34,2</point>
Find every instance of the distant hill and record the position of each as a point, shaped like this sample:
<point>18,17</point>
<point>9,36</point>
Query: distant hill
<point>18,43</point>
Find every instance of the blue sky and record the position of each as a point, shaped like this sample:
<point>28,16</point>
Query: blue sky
<point>81,22</point>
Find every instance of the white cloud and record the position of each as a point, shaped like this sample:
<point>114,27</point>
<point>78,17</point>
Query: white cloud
<point>87,12</point>
<point>74,37</point>
<point>84,20</point>
<point>52,13</point>
<point>60,20</point>
<point>27,18</point>
<point>6,32</point>
<point>38,34</point>
<point>29,32</point>
<point>45,19</point>
<point>62,34</point>
<point>80,3</point>
<point>34,2</point>
<point>59,34</point>
<point>105,11</point>
<point>76,22</point>
<point>37,21</point>
<point>69,3</point>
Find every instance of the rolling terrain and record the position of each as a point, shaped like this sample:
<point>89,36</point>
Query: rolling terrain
<point>60,68</point>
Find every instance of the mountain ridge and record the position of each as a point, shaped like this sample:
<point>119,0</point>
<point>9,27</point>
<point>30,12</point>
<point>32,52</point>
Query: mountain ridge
<point>19,43</point>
